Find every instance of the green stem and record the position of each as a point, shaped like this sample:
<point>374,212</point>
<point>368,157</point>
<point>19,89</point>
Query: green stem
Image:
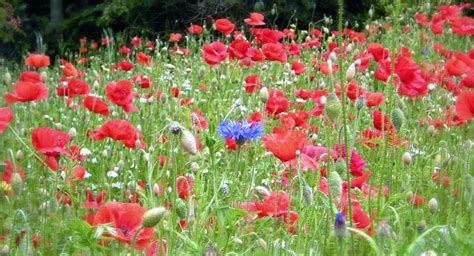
<point>134,238</point>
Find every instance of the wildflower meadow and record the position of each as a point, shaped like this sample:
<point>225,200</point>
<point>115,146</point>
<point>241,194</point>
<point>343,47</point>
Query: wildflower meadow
<point>236,137</point>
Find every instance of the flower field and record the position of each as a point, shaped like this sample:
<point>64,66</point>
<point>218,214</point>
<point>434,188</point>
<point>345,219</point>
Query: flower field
<point>238,138</point>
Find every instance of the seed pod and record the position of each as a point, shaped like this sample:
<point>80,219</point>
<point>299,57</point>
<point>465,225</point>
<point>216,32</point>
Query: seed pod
<point>332,107</point>
<point>334,185</point>
<point>398,118</point>
<point>153,217</point>
<point>188,142</point>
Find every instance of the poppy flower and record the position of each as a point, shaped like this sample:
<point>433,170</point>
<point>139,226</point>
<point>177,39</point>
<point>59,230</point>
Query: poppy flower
<point>78,87</point>
<point>284,143</point>
<point>78,173</point>
<point>91,202</point>
<point>184,186</point>
<point>120,93</point>
<point>175,37</point>
<point>51,143</point>
<point>274,52</point>
<point>297,67</point>
<point>30,76</point>
<point>239,49</point>
<point>214,52</point>
<point>251,82</point>
<point>119,130</point>
<point>5,117</point>
<point>123,65</point>
<point>96,105</point>
<point>136,41</point>
<point>126,219</point>
<point>255,19</point>
<point>27,91</point>
<point>465,105</point>
<point>276,105</point>
<point>455,67</point>
<point>143,58</point>
<point>125,50</point>
<point>377,51</point>
<point>266,35</point>
<point>7,173</point>
<point>224,26</point>
<point>195,29</point>
<point>37,60</point>
<point>373,99</point>
<point>198,121</point>
<point>377,121</point>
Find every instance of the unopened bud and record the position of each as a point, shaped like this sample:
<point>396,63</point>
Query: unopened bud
<point>398,118</point>
<point>262,191</point>
<point>5,250</point>
<point>264,94</point>
<point>16,183</point>
<point>188,142</point>
<point>384,229</point>
<point>19,155</point>
<point>406,158</point>
<point>433,205</point>
<point>262,244</point>
<point>210,251</point>
<point>237,240</point>
<point>72,132</point>
<point>104,153</point>
<point>332,107</point>
<point>7,78</point>
<point>340,165</point>
<point>181,208</point>
<point>153,217</point>
<point>431,130</point>
<point>350,73</point>
<point>307,194</point>
<point>334,185</point>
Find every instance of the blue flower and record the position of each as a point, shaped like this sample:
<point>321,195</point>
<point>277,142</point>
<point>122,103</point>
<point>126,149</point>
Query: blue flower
<point>240,131</point>
<point>339,226</point>
<point>424,51</point>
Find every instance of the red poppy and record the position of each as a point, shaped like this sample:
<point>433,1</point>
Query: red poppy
<point>124,50</point>
<point>27,91</point>
<point>78,173</point>
<point>224,26</point>
<point>373,99</point>
<point>91,202</point>
<point>136,42</point>
<point>30,76</point>
<point>51,143</point>
<point>421,19</point>
<point>465,105</point>
<point>96,105</point>
<point>123,65</point>
<point>284,143</point>
<point>198,121</point>
<point>120,93</point>
<point>37,60</point>
<point>297,67</point>
<point>184,186</point>
<point>143,58</point>
<point>276,104</point>
<point>214,52</point>
<point>120,130</point>
<point>239,49</point>
<point>251,82</point>
<point>195,29</point>
<point>78,87</point>
<point>274,52</point>
<point>255,19</point>
<point>377,51</point>
<point>7,173</point>
<point>175,37</point>
<point>455,67</point>
<point>266,35</point>
<point>126,218</point>
<point>174,91</point>
<point>6,116</point>
<point>377,121</point>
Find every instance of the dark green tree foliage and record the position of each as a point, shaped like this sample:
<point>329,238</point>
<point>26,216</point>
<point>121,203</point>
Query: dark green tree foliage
<point>80,18</point>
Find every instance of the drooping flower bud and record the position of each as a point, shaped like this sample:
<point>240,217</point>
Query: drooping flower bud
<point>433,205</point>
<point>307,194</point>
<point>334,186</point>
<point>16,183</point>
<point>383,229</point>
<point>264,94</point>
<point>19,155</point>
<point>153,217</point>
<point>188,142</point>
<point>210,251</point>
<point>181,208</point>
<point>7,78</point>
<point>262,190</point>
<point>262,244</point>
<point>406,158</point>
<point>340,165</point>
<point>398,119</point>
<point>350,73</point>
<point>332,107</point>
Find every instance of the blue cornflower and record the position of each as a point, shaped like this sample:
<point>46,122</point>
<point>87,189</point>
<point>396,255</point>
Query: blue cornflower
<point>424,51</point>
<point>240,131</point>
<point>339,226</point>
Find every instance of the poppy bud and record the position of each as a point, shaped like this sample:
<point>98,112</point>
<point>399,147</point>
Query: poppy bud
<point>188,142</point>
<point>262,244</point>
<point>72,132</point>
<point>104,153</point>
<point>334,185</point>
<point>398,119</point>
<point>175,128</point>
<point>7,78</point>
<point>468,188</point>
<point>3,166</point>
<point>307,194</point>
<point>326,30</point>
<point>194,166</point>
<point>421,226</point>
<point>340,229</point>
<point>274,9</point>
<point>5,250</point>
<point>19,155</point>
<point>340,165</point>
<point>383,229</point>
<point>264,94</point>
<point>431,130</point>
<point>350,73</point>
<point>181,208</point>
<point>169,66</point>
<point>7,226</point>
<point>349,48</point>
<point>332,107</point>
<point>210,251</point>
<point>201,71</point>
<point>153,217</point>
<point>214,82</point>
<point>371,12</point>
<point>330,65</point>
<point>237,241</point>
<point>262,191</point>
<point>433,205</point>
<point>96,84</point>
<point>332,57</point>
<point>406,158</point>
<point>360,102</point>
<point>132,187</point>
<point>44,76</point>
<point>437,160</point>
<point>258,6</point>
<point>16,183</point>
